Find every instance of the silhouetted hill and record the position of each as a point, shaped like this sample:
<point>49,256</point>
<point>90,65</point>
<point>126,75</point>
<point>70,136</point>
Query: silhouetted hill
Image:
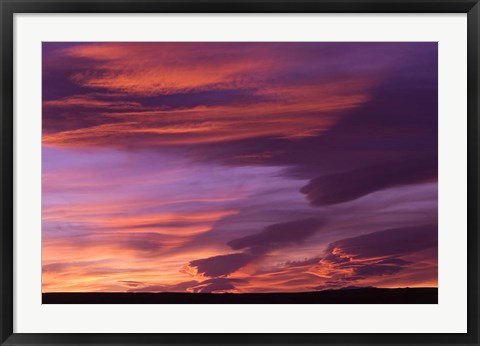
<point>350,296</point>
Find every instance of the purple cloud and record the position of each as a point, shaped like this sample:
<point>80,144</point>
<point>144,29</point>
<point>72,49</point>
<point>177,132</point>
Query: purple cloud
<point>390,242</point>
<point>221,265</point>
<point>353,184</point>
<point>374,254</point>
<point>277,235</point>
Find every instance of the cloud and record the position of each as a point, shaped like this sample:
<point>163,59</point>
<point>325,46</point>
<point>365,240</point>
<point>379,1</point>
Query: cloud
<point>219,265</point>
<point>144,242</point>
<point>374,254</point>
<point>353,184</point>
<point>217,285</point>
<point>132,95</point>
<point>165,68</point>
<point>277,235</point>
<point>72,266</point>
<point>131,283</point>
<point>197,125</point>
<point>180,287</point>
<point>90,101</point>
<point>390,242</point>
<point>367,270</point>
<point>305,262</point>
<point>257,245</point>
<point>386,130</point>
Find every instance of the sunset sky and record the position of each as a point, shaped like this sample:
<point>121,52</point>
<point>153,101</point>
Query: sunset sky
<point>238,167</point>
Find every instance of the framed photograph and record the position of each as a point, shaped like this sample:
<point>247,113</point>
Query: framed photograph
<point>236,173</point>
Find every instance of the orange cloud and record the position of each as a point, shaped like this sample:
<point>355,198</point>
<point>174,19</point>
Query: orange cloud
<point>211,124</point>
<point>277,104</point>
<point>139,69</point>
<point>90,101</point>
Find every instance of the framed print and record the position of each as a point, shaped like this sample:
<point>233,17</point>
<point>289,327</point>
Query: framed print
<point>239,173</point>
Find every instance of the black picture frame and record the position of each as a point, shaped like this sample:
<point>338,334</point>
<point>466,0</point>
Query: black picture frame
<point>9,7</point>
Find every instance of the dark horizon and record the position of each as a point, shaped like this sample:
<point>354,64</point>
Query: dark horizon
<point>368,295</point>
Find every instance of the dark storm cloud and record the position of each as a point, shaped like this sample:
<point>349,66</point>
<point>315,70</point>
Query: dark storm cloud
<point>277,235</point>
<point>221,265</point>
<point>390,242</point>
<point>400,117</point>
<point>255,246</point>
<point>390,140</point>
<point>353,184</point>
